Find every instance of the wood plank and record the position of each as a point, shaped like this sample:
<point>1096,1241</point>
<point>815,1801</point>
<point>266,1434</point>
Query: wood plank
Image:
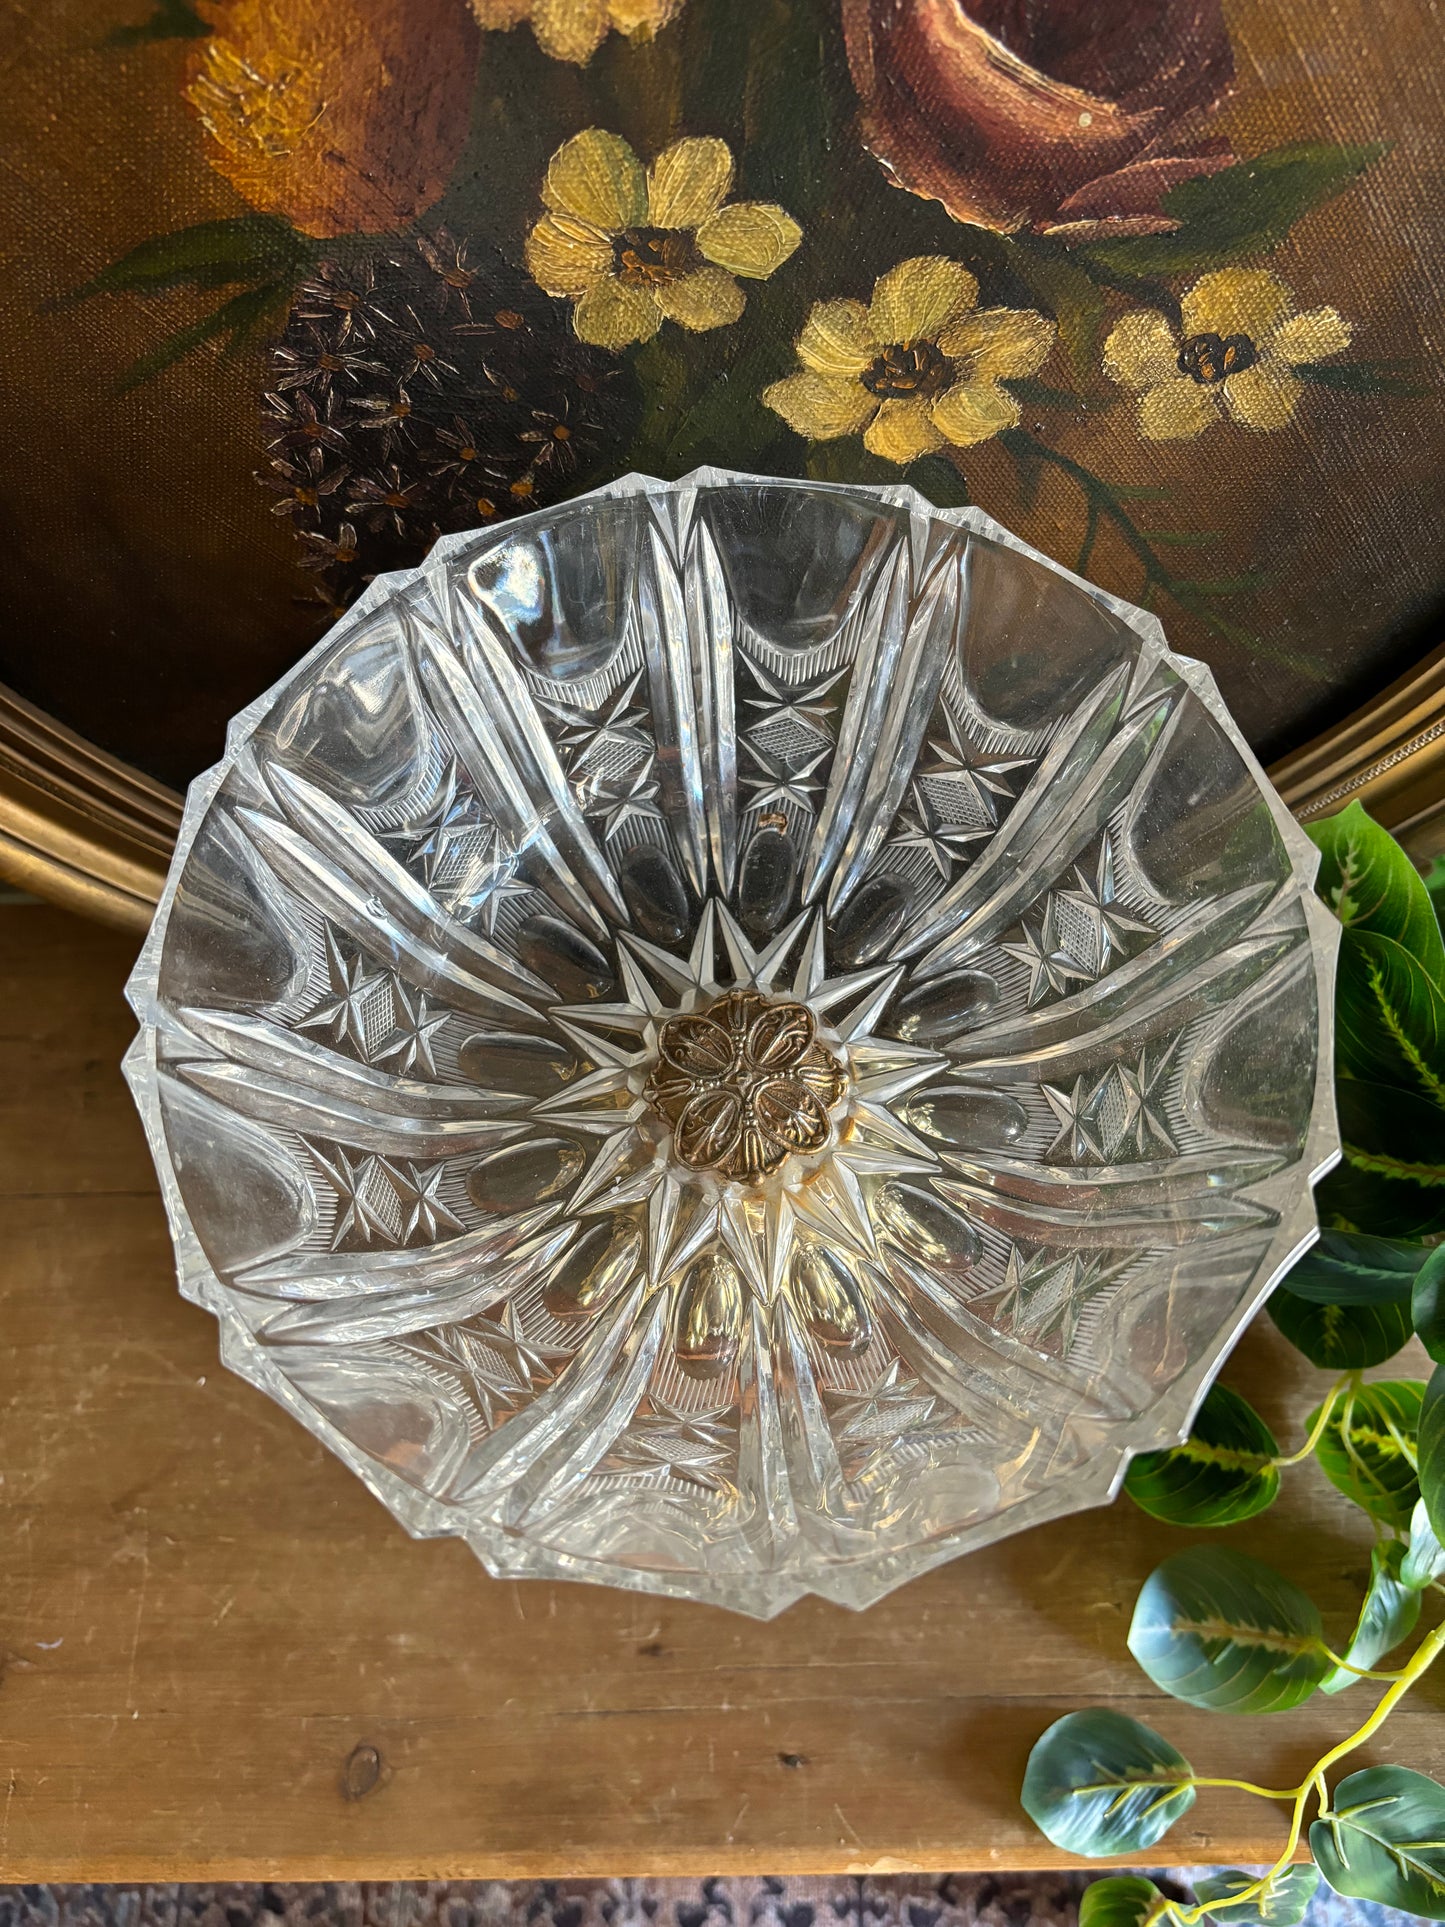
<point>220,1658</point>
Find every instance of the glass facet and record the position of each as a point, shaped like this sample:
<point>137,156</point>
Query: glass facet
<point>737,1038</point>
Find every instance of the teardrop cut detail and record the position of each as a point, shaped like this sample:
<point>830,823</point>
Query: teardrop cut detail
<point>969,1120</point>
<point>934,1013</point>
<point>830,1301</point>
<point>869,921</point>
<point>522,1175</point>
<point>516,1064</point>
<point>653,892</point>
<point>708,1326</point>
<point>769,878</point>
<point>564,958</point>
<point>925,1227</point>
<point>603,1260</point>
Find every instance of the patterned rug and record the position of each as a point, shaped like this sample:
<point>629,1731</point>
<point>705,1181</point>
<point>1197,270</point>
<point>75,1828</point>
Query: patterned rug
<point>950,1900</point>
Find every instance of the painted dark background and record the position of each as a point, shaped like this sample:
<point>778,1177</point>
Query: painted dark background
<point>150,591</point>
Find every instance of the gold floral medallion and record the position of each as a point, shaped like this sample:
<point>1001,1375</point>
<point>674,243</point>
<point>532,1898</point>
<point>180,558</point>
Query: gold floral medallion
<point>744,1084</point>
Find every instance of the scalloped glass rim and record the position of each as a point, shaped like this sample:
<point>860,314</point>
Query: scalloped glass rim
<point>841,1550</point>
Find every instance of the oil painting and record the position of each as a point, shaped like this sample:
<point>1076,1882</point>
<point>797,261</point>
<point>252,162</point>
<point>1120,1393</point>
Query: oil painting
<point>295,286</point>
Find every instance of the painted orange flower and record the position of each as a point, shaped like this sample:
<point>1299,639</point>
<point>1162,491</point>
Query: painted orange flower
<point>344,116</point>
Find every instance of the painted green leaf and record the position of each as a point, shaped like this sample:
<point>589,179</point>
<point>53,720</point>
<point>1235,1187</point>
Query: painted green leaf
<point>1221,1630</point>
<point>1431,1450</point>
<point>1246,209</point>
<point>937,478</point>
<point>212,254</point>
<point>1388,1615</point>
<point>1283,1902</point>
<point>1424,1559</point>
<point>1222,1472</point>
<point>1368,1448</point>
<point>1249,582</point>
<point>847,460</point>
<point>1099,1783</point>
<point>1384,1840</point>
<point>172,20</point>
<point>1060,286</point>
<point>1389,1016</point>
<point>1349,1268</point>
<point>1427,1304</point>
<point>1341,1338</point>
<point>1370,884</point>
<point>231,323</point>
<point>1121,1900</point>
<point>1360,378</point>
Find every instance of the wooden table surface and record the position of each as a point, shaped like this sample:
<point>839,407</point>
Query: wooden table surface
<point>219,1656</point>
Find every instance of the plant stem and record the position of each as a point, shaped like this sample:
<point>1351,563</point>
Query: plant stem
<point>1424,1657</point>
<point>1321,1424</point>
<point>1102,501</point>
<point>1246,1786</point>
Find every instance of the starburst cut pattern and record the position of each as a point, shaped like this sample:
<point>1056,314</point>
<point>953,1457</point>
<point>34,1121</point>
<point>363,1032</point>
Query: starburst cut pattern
<point>1080,934</point>
<point>1122,1110</point>
<point>1043,1295</point>
<point>715,1108</point>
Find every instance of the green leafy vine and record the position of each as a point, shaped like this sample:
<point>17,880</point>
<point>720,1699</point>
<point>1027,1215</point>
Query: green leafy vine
<point>1229,1633</point>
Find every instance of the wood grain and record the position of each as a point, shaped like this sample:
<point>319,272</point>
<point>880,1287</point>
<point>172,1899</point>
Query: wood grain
<point>220,1657</point>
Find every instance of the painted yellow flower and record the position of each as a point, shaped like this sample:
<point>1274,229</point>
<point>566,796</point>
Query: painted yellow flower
<point>635,247</point>
<point>1240,343</point>
<point>921,365</point>
<point>574,29</point>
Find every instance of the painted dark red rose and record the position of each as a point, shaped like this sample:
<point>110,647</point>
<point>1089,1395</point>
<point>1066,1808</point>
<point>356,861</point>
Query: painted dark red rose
<point>1075,117</point>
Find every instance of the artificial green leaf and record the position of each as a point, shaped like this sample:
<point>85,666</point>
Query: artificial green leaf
<point>1431,1450</point>
<point>1340,1338</point>
<point>1392,1133</point>
<point>248,247</point>
<point>1427,1304</point>
<point>1221,1630</point>
<point>1283,1902</point>
<point>1246,209</point>
<point>1424,1559</point>
<point>1349,1268</point>
<point>1367,1449</point>
<point>1223,1471</point>
<point>1384,1840</point>
<point>1099,1783</point>
<point>1357,1198</point>
<point>1388,1615</point>
<point>1389,1017</point>
<point>1121,1900</point>
<point>1435,886</point>
<point>1370,884</point>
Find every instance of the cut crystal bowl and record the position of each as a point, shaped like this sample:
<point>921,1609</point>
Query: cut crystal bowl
<point>736,1038</point>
